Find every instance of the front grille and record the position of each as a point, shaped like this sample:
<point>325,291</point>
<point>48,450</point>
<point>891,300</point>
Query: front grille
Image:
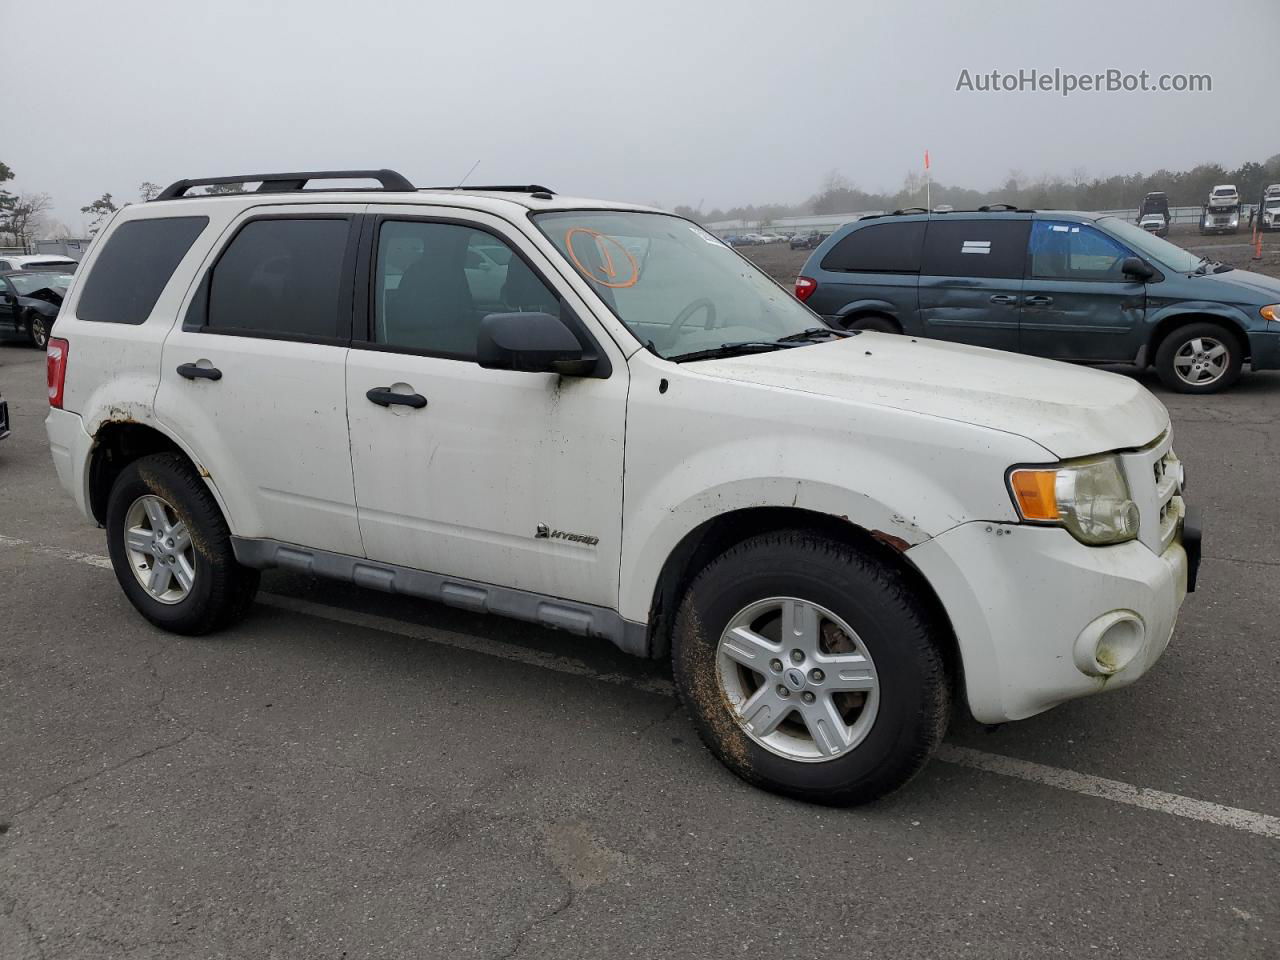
<point>1155,482</point>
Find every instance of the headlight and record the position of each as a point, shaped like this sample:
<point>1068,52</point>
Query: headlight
<point>1271,312</point>
<point>1089,497</point>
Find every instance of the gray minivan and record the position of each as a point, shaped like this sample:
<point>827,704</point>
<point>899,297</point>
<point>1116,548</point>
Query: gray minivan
<point>1065,285</point>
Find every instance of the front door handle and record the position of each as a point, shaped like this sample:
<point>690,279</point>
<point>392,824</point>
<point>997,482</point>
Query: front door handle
<point>1004,298</point>
<point>193,371</point>
<point>385,397</point>
<point>1038,301</point>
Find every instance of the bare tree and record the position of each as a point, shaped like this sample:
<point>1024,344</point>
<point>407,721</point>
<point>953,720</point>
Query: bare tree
<point>26,217</point>
<point>148,190</point>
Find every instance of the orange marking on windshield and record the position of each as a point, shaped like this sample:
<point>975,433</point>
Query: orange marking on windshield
<point>607,267</point>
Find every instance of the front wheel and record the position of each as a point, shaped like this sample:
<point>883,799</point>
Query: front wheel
<point>1199,358</point>
<point>38,331</point>
<point>812,668</point>
<point>171,548</point>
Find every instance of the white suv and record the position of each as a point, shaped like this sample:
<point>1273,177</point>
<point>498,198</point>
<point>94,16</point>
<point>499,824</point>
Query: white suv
<point>600,418</point>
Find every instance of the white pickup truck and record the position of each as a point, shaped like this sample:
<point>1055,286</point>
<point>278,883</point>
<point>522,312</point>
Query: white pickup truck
<point>600,418</point>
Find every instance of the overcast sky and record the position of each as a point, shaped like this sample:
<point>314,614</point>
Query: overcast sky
<point>645,100</point>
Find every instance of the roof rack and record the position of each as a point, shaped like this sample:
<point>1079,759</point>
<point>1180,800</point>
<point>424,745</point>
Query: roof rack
<point>290,182</point>
<point>907,210</point>
<point>997,207</point>
<point>501,188</point>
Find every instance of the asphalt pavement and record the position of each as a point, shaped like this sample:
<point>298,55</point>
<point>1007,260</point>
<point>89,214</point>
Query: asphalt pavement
<point>350,774</point>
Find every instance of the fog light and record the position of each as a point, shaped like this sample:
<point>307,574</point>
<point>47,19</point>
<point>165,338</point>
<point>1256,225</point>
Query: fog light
<point>1110,643</point>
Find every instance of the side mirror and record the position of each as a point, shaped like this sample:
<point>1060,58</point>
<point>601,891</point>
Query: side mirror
<point>533,343</point>
<point>1136,267</point>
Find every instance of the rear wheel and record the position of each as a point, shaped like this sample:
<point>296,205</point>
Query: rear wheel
<point>811,668</point>
<point>875,322</point>
<point>171,548</point>
<point>1199,358</point>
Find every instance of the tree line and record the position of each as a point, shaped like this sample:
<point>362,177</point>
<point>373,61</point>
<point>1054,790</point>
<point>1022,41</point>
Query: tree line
<point>26,217</point>
<point>1075,191</point>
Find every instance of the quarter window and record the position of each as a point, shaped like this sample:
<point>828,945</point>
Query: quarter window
<point>975,248</point>
<point>134,266</point>
<point>435,282</point>
<point>879,248</point>
<point>281,277</point>
<point>1074,251</point>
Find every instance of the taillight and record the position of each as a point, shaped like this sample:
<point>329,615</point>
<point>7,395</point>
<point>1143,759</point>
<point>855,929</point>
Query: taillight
<point>56,356</point>
<point>805,287</point>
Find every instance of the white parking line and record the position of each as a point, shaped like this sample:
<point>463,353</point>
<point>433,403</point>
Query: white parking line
<point>1073,781</point>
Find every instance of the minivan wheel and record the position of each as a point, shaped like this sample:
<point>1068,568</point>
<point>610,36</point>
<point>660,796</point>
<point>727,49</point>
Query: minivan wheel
<point>171,548</point>
<point>877,323</point>
<point>812,668</point>
<point>1199,358</point>
<point>38,331</point>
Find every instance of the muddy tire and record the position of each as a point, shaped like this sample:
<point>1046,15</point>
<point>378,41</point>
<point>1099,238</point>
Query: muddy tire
<point>877,323</point>
<point>1200,358</point>
<point>812,668</point>
<point>171,548</point>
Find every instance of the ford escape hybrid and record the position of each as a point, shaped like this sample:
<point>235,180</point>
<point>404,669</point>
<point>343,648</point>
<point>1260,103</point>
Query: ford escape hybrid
<point>1071,286</point>
<point>600,418</point>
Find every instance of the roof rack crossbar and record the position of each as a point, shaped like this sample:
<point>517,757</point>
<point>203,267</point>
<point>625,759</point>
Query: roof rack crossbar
<point>289,182</point>
<point>499,188</point>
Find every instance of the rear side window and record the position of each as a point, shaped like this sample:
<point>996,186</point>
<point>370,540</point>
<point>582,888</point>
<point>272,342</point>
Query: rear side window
<point>134,266</point>
<point>282,277</point>
<point>879,248</point>
<point>975,248</point>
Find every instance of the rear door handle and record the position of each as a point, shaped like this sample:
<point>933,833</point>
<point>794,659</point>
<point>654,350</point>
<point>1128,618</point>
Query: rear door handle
<point>193,371</point>
<point>385,397</point>
<point>1038,301</point>
<point>1004,298</point>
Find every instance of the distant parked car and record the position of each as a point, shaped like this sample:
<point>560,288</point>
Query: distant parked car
<point>943,208</point>
<point>29,302</point>
<point>1155,223</point>
<point>37,261</point>
<point>805,241</point>
<point>1056,284</point>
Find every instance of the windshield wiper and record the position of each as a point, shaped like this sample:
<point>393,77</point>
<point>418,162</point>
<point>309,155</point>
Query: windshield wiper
<point>813,333</point>
<point>737,348</point>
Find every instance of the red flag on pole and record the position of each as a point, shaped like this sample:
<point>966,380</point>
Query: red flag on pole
<point>926,159</point>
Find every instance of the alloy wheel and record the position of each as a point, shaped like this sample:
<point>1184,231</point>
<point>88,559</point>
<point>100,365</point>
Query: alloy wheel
<point>158,545</point>
<point>800,681</point>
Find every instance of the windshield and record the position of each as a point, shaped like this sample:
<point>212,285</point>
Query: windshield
<point>1167,254</point>
<point>1273,204</point>
<point>677,288</point>
<point>31,282</point>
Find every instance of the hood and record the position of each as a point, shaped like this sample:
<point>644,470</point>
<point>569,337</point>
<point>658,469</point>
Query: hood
<point>1250,286</point>
<point>1070,411</point>
<point>47,295</point>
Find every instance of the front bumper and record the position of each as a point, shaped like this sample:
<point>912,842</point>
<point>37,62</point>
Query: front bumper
<point>1022,600</point>
<point>70,445</point>
<point>1264,347</point>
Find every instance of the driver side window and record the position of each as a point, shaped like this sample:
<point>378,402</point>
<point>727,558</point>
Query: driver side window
<point>435,282</point>
<point>1075,251</point>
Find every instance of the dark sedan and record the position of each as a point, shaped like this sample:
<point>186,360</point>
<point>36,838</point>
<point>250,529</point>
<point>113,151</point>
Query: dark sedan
<point>806,241</point>
<point>29,303</point>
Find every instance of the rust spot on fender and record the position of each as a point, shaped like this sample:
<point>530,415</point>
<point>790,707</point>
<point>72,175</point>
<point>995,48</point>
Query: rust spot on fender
<point>889,540</point>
